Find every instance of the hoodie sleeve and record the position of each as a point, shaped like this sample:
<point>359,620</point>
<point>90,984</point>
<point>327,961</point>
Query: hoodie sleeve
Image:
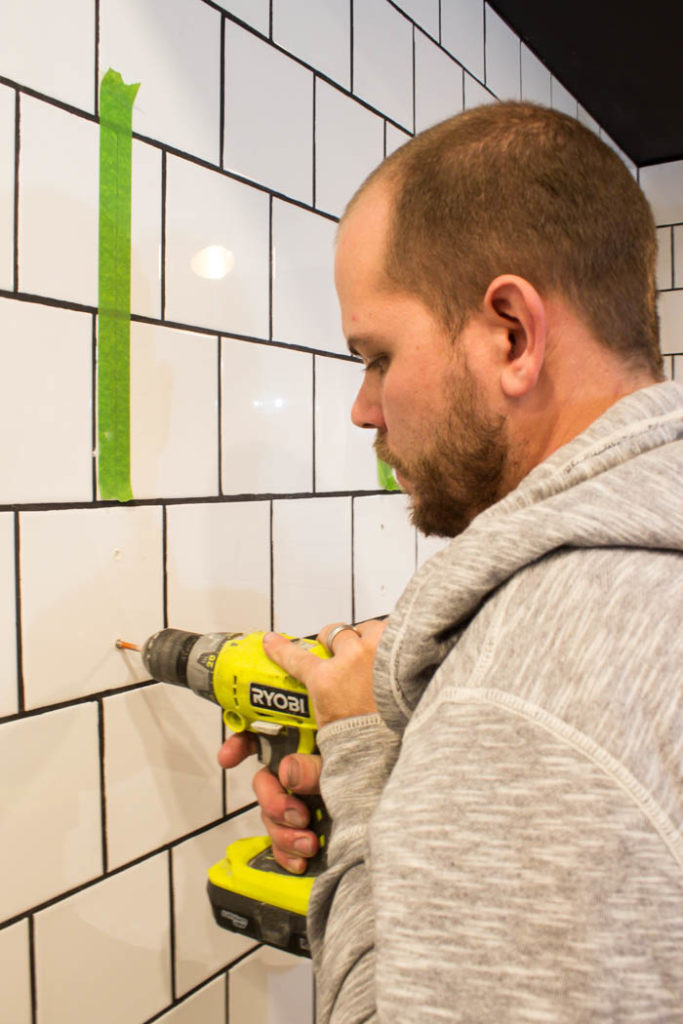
<point>357,755</point>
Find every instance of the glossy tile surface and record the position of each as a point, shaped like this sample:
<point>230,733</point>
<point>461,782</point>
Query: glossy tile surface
<point>341,168</point>
<point>7,152</point>
<point>320,34</point>
<point>344,456</point>
<point>394,137</point>
<point>271,987</point>
<point>206,1006</point>
<point>663,186</point>
<point>52,835</point>
<point>88,577</point>
<point>218,566</point>
<point>305,306</point>
<point>15,973</point>
<point>475,93</point>
<point>103,955</point>
<point>665,253</point>
<point>45,403</point>
<point>174,413</point>
<point>382,59</point>
<point>145,254</point>
<point>438,84</point>
<point>58,210</point>
<point>312,555</point>
<point>172,48</point>
<point>37,30</point>
<point>535,78</point>
<point>671,322</point>
<point>383,554</point>
<point>462,33</point>
<point>502,57</point>
<point>678,256</point>
<point>254,12</point>
<point>268,116</point>
<point>161,776</point>
<point>562,99</point>
<point>202,947</point>
<point>226,287</point>
<point>267,409</point>
<point>424,12</point>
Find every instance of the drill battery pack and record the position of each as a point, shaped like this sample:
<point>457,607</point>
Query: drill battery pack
<point>252,895</point>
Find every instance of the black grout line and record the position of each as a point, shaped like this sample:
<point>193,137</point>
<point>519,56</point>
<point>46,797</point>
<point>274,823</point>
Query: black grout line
<point>314,423</point>
<point>673,259</point>
<point>103,787</point>
<point>96,104</point>
<point>21,695</point>
<point>221,104</point>
<point>313,155</point>
<point>219,413</point>
<point>270,21</point>
<point>271,268</point>
<point>93,408</point>
<point>33,985</point>
<point>17,151</point>
<point>272,565</point>
<point>164,564</point>
<point>351,47</point>
<point>171,927</point>
<point>413,83</point>
<point>353,559</point>
<point>440,30</point>
<point>162,241</point>
<point>483,15</point>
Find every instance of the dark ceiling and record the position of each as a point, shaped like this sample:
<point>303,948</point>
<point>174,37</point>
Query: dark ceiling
<point>623,62</point>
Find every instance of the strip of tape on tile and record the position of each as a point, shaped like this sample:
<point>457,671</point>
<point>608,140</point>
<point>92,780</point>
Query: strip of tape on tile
<point>113,329</point>
<point>385,475</point>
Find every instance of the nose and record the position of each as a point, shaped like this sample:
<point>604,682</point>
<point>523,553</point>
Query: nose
<point>367,408</point>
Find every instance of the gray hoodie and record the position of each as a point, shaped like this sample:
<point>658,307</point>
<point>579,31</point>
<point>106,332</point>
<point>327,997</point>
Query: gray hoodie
<point>508,829</point>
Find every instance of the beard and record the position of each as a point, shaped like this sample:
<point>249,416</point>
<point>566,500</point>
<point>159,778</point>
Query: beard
<point>461,469</point>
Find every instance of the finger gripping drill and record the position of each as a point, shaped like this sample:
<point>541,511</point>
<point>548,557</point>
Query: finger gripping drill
<point>250,893</point>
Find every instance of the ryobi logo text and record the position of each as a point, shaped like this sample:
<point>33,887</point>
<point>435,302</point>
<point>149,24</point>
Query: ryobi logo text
<point>284,701</point>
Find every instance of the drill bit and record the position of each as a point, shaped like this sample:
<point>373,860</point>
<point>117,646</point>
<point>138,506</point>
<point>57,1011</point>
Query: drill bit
<point>125,645</point>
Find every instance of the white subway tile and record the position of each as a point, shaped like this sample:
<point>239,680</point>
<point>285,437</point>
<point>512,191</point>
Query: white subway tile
<point>88,576</point>
<point>202,947</point>
<point>671,322</point>
<point>344,456</point>
<point>267,413</point>
<point>240,791</point>
<point>535,78</point>
<point>663,186</point>
<point>320,34</point>
<point>161,776</point>
<point>502,57</point>
<point>173,49</point>
<point>219,566</point>
<point>677,370</point>
<point>7,151</point>
<point>58,203</point>
<point>438,84</point>
<point>428,546</point>
<point>45,403</point>
<point>174,413</point>
<point>8,642</point>
<point>384,553</point>
<point>462,33</point>
<point>216,251</point>
<point>145,248</point>
<point>678,256</point>
<point>52,838</point>
<point>207,1006</point>
<point>305,307</point>
<point>271,987</point>
<point>103,955</point>
<point>424,12</point>
<point>51,48</point>
<point>587,119</point>
<point>268,115</point>
<point>562,99</point>
<point>312,563</point>
<point>664,258</point>
<point>475,93</point>
<point>15,974</point>
<point>394,138</point>
<point>668,366</point>
<point>254,12</point>
<point>341,168</point>
<point>383,59</point>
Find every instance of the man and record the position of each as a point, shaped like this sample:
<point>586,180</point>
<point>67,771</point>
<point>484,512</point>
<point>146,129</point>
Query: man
<point>503,763</point>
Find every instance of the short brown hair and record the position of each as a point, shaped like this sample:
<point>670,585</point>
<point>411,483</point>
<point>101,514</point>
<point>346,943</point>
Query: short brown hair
<point>521,189</point>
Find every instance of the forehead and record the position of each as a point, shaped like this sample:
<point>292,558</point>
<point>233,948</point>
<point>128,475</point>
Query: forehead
<point>362,239</point>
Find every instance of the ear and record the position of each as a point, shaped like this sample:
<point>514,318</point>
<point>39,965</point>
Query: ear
<point>516,309</point>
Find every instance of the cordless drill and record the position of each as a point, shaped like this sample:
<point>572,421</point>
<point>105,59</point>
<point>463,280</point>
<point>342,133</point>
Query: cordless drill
<point>250,893</point>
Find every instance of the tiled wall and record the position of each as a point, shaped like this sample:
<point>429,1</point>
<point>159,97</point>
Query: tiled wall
<point>257,503</point>
<point>663,186</point>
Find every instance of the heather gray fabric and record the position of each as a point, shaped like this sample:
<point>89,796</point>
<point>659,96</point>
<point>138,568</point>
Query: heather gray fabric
<point>508,830</point>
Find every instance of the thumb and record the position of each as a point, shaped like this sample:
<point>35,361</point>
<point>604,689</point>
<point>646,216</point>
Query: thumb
<point>300,773</point>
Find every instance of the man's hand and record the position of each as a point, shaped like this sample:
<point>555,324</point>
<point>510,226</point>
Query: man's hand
<point>340,687</point>
<point>285,818</point>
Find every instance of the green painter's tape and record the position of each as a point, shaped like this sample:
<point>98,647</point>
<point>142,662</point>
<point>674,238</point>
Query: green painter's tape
<point>385,475</point>
<point>113,334</point>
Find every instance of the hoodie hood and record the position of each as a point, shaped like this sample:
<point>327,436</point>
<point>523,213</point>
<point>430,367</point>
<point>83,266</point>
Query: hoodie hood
<point>618,484</point>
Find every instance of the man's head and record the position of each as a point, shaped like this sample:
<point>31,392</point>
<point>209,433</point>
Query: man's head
<point>520,189</point>
<point>496,275</point>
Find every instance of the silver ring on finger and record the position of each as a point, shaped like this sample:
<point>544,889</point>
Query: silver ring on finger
<point>336,631</point>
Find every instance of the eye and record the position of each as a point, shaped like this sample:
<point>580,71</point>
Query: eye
<point>379,365</point>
